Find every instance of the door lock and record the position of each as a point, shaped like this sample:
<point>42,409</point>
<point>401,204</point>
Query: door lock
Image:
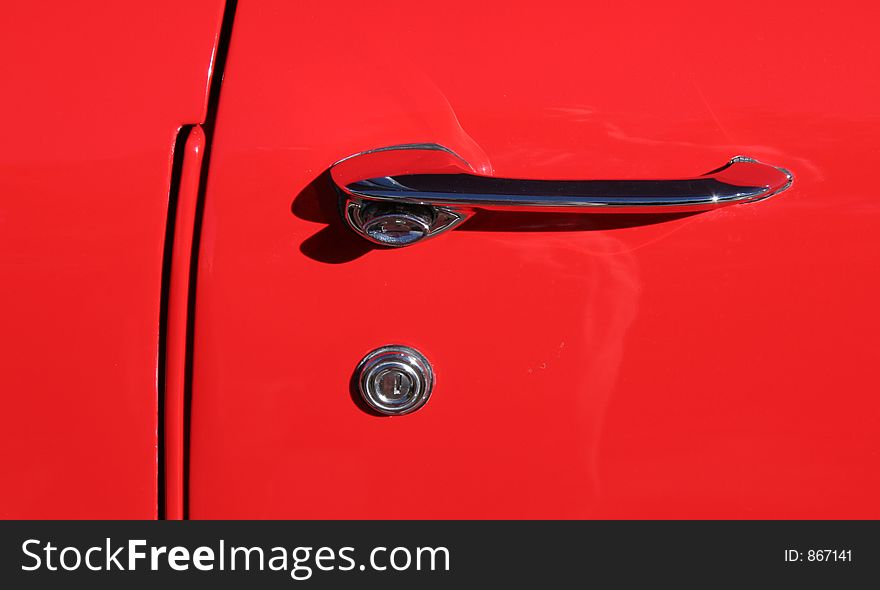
<point>395,380</point>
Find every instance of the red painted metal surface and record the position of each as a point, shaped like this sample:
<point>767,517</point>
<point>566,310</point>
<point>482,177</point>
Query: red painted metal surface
<point>715,365</point>
<point>93,96</point>
<point>176,323</point>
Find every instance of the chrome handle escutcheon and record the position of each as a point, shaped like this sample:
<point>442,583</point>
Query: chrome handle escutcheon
<point>401,195</point>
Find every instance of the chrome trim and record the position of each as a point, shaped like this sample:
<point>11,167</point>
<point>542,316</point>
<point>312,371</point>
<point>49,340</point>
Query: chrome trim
<point>409,371</point>
<point>443,219</point>
<point>430,175</point>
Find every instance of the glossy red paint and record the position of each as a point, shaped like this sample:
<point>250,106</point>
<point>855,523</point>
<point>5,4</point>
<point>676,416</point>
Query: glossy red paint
<point>177,322</point>
<point>715,365</point>
<point>93,96</point>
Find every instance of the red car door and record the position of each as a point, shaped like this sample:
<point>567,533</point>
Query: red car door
<point>711,365</point>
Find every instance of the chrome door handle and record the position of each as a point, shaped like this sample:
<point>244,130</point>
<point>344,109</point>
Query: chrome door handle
<point>400,195</point>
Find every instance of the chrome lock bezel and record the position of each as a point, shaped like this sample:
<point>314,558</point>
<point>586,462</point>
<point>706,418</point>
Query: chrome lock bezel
<point>411,367</point>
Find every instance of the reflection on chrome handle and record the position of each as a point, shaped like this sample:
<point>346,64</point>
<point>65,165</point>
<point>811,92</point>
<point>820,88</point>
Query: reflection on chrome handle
<point>400,195</point>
